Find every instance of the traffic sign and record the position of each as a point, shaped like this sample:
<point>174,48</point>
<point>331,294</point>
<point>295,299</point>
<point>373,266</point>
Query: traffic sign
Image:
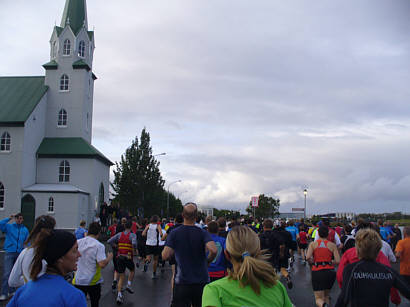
<point>255,201</point>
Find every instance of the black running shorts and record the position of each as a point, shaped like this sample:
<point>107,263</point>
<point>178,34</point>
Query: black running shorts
<point>293,246</point>
<point>123,263</point>
<point>153,250</point>
<point>303,245</point>
<point>323,279</point>
<point>142,251</point>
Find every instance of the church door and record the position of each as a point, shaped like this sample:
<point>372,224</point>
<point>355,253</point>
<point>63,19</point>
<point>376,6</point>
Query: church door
<point>28,209</point>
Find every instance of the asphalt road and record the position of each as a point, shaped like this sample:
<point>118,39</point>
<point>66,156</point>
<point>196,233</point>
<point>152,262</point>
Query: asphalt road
<point>157,292</point>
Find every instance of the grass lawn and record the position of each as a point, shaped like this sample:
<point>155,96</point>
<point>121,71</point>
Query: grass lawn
<point>403,222</point>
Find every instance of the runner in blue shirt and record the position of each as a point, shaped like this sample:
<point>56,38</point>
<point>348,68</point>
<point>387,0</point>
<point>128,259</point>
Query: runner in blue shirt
<point>217,268</point>
<point>81,231</point>
<point>295,235</point>
<point>385,232</point>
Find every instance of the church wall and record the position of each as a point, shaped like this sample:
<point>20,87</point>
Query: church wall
<point>86,174</point>
<point>81,171</point>
<point>34,132</point>
<point>11,171</point>
<point>100,175</point>
<point>67,207</point>
<point>75,102</point>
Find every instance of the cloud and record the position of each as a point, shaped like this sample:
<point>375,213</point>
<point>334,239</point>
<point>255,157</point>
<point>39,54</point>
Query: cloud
<point>246,98</point>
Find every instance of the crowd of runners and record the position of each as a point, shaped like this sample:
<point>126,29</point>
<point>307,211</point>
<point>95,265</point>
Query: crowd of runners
<point>246,262</point>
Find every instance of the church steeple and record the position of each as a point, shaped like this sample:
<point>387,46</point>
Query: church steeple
<point>75,14</point>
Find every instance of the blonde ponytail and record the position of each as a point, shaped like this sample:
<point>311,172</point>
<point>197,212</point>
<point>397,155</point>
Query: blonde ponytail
<point>243,245</point>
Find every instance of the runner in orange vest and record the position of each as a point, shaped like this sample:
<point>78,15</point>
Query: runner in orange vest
<point>323,255</point>
<point>127,243</point>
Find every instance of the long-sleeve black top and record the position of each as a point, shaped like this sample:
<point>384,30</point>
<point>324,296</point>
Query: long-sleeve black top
<point>368,283</point>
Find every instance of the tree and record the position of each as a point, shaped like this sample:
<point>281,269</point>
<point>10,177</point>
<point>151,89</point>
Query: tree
<point>138,184</point>
<point>229,214</point>
<point>268,207</point>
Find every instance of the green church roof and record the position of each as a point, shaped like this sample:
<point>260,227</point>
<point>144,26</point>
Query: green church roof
<point>59,30</point>
<point>51,65</point>
<point>81,64</point>
<point>69,148</point>
<point>18,98</point>
<point>75,13</point>
<point>91,35</point>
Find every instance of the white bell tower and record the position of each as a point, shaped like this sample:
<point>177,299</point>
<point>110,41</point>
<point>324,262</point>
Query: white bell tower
<point>69,75</point>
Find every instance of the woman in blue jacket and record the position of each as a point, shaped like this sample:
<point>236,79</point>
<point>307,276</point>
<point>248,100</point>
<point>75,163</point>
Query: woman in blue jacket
<point>59,249</point>
<point>16,234</point>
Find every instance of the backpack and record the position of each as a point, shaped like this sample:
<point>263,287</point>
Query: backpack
<point>348,242</point>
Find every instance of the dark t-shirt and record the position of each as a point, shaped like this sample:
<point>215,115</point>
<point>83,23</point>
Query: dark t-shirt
<point>140,238</point>
<point>285,238</point>
<point>368,283</point>
<point>271,242</point>
<point>189,242</point>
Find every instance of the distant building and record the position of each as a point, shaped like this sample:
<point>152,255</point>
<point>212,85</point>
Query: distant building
<point>291,216</point>
<point>47,162</point>
<point>345,215</point>
<point>208,211</point>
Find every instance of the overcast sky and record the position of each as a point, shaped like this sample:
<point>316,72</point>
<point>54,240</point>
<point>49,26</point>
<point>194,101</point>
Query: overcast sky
<point>246,97</point>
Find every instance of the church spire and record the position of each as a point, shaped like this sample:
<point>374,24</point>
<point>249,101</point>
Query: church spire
<point>75,15</point>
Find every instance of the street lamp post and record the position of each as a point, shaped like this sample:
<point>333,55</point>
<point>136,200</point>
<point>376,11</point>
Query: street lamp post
<point>304,211</point>
<point>168,195</point>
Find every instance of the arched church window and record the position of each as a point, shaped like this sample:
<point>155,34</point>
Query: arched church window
<point>5,142</point>
<point>64,171</point>
<point>64,81</point>
<point>51,205</point>
<point>62,118</point>
<point>1,196</point>
<point>81,49</point>
<point>67,47</point>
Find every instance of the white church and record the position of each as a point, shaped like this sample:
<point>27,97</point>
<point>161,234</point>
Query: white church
<point>47,162</point>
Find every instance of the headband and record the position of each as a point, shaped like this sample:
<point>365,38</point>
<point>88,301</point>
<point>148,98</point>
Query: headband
<point>58,244</point>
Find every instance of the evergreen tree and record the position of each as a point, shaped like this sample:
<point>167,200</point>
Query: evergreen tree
<point>138,184</point>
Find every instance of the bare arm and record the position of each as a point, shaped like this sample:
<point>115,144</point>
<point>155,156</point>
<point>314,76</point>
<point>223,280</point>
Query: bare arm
<point>102,264</point>
<point>144,233</point>
<point>309,254</point>
<point>164,236</point>
<point>167,253</point>
<point>336,254</point>
<point>211,248</point>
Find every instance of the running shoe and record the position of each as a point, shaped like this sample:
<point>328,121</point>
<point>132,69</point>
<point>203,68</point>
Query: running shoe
<point>137,264</point>
<point>114,285</point>
<point>129,289</point>
<point>289,283</point>
<point>120,298</point>
<point>145,266</point>
<point>154,275</point>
